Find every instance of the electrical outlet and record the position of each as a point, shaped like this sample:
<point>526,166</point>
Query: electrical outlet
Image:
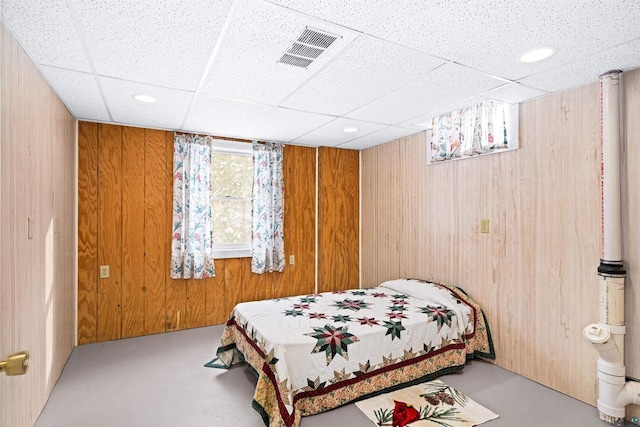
<point>292,259</point>
<point>104,271</point>
<point>484,225</point>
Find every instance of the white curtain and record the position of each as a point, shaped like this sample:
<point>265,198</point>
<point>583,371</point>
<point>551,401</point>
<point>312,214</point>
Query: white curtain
<point>191,251</point>
<point>477,129</point>
<point>268,209</point>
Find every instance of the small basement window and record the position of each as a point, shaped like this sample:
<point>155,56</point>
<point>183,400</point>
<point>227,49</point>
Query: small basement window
<point>483,128</point>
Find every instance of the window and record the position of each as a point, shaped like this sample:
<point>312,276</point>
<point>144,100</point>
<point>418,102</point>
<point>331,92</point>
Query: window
<point>483,128</point>
<point>231,187</point>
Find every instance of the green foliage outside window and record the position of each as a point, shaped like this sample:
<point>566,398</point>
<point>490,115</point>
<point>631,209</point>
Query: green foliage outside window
<point>231,182</point>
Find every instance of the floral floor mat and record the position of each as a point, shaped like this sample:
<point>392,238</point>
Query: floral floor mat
<point>429,404</point>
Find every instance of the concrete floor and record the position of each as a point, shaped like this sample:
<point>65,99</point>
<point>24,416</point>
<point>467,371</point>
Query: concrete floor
<point>160,381</point>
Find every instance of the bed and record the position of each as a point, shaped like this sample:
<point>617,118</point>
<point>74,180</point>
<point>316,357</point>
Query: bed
<point>316,352</point>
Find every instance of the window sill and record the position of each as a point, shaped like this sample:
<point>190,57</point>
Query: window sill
<point>475,156</point>
<point>231,253</point>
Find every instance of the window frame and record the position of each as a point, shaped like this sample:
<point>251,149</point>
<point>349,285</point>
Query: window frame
<point>512,118</point>
<point>244,149</point>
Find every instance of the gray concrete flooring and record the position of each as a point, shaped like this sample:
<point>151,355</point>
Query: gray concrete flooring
<point>160,381</point>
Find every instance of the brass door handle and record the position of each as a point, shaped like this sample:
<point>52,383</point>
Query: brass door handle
<point>16,364</point>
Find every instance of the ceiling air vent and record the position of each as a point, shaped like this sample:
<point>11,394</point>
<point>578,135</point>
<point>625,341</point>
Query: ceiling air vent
<point>307,48</point>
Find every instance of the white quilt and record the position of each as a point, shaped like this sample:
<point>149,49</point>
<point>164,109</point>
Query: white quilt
<point>315,340</point>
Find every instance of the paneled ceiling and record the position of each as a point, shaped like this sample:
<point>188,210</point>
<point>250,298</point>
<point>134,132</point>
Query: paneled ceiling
<point>213,65</point>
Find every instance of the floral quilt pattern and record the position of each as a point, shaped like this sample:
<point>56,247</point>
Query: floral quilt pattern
<point>314,352</point>
<point>333,340</point>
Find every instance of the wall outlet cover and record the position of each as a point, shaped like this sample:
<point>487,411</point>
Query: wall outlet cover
<point>104,271</point>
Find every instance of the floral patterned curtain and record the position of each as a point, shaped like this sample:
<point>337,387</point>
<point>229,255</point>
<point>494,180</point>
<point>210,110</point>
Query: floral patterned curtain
<point>477,129</point>
<point>191,253</point>
<point>268,209</point>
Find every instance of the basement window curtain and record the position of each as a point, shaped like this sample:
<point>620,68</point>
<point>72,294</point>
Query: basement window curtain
<point>267,209</point>
<point>191,247</point>
<point>477,129</point>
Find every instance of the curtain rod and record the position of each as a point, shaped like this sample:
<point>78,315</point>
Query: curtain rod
<point>225,138</point>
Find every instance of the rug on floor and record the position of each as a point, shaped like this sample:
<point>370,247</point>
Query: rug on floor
<point>429,404</point>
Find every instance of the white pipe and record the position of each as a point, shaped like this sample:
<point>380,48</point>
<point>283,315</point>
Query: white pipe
<point>630,394</point>
<point>611,310</point>
<point>607,336</point>
<point>610,166</point>
<point>600,336</point>
<point>614,394</point>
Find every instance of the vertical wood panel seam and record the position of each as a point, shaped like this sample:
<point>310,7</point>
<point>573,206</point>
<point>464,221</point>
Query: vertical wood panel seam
<point>169,202</point>
<point>144,284</point>
<point>98,230</point>
<point>96,277</point>
<point>121,220</point>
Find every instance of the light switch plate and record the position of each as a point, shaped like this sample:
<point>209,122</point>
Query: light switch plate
<point>484,225</point>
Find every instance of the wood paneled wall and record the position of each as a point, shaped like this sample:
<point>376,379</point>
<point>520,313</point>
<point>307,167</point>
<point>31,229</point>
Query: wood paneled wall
<point>339,219</point>
<point>125,187</point>
<point>535,272</point>
<point>37,273</point>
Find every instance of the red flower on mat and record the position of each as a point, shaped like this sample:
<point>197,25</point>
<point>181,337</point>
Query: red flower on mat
<point>404,413</point>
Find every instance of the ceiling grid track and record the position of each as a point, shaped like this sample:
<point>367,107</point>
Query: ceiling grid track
<point>81,37</point>
<point>212,58</point>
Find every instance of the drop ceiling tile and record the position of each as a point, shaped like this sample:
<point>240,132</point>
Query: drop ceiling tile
<point>511,93</point>
<point>158,42</point>
<point>423,121</point>
<point>356,14</point>
<point>223,117</point>
<point>368,69</point>
<point>451,29</point>
<point>79,92</point>
<point>439,88</point>
<point>586,70</point>
<point>246,67</point>
<point>333,133</point>
<point>380,137</point>
<point>46,31</point>
<point>581,29</point>
<point>285,125</point>
<point>167,113</point>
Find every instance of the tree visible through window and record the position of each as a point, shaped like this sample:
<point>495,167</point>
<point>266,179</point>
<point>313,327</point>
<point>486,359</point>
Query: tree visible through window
<point>231,185</point>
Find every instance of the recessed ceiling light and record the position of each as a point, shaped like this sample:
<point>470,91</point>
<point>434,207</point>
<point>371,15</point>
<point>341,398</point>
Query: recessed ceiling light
<point>537,55</point>
<point>351,129</point>
<point>145,98</point>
